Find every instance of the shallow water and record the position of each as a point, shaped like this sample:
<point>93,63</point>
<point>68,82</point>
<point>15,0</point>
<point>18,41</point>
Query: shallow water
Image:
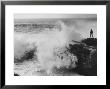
<point>32,68</point>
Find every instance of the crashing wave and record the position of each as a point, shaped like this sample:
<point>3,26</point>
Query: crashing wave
<point>50,48</point>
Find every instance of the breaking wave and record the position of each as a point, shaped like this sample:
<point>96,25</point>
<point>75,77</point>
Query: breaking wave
<point>51,50</point>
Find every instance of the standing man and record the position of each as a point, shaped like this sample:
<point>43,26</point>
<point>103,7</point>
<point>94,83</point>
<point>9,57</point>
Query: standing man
<point>91,33</point>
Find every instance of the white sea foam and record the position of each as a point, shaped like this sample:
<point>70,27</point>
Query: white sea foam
<point>50,48</point>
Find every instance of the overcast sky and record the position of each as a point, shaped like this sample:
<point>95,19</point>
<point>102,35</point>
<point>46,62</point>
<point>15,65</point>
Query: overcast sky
<point>42,16</point>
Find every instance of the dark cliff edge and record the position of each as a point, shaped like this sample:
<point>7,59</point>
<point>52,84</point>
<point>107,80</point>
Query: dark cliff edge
<point>86,52</point>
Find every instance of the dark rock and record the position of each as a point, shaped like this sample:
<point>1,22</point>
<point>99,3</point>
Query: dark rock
<point>16,74</point>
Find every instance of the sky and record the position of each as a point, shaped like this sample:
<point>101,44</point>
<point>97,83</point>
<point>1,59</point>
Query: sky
<point>81,23</point>
<point>42,16</point>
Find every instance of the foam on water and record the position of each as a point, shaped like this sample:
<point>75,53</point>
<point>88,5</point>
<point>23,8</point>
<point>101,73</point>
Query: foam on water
<point>50,47</point>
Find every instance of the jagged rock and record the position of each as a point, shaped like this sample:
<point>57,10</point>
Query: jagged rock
<point>16,74</point>
<point>86,52</point>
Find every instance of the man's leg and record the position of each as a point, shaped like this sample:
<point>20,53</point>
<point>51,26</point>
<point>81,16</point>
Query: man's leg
<point>92,35</point>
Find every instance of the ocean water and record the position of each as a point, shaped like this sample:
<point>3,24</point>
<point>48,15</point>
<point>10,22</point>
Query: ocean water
<point>50,43</point>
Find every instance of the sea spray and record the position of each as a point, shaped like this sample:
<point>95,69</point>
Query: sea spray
<point>51,46</point>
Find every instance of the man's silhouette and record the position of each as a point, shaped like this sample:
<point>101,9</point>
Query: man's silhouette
<point>91,33</point>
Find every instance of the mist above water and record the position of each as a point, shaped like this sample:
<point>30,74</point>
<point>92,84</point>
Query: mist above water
<point>51,48</point>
